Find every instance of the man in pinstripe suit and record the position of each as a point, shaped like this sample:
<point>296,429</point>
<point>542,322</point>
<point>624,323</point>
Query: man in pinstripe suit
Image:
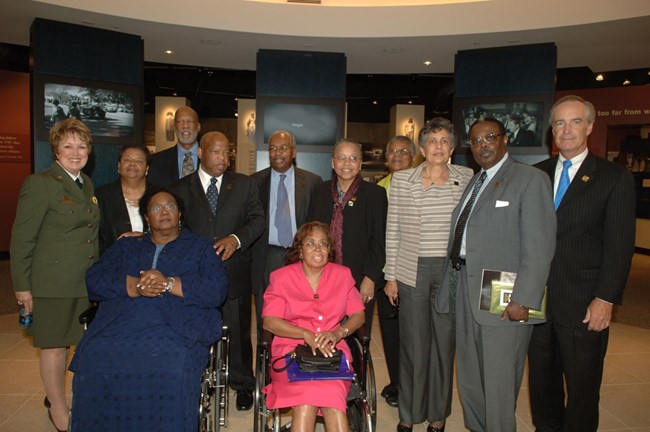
<point>233,227</point>
<point>595,243</point>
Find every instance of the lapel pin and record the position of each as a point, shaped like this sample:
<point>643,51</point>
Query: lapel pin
<point>229,186</point>
<point>352,200</point>
<point>94,198</point>
<point>497,184</point>
<point>585,178</point>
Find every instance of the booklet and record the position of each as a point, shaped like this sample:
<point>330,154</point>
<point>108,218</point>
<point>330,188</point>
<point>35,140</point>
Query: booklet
<point>496,289</point>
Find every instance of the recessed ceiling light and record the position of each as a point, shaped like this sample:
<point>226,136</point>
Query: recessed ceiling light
<point>174,93</point>
<point>600,77</point>
<point>168,52</point>
<point>427,62</point>
<point>374,102</point>
<point>410,102</point>
<point>626,82</point>
<point>236,114</point>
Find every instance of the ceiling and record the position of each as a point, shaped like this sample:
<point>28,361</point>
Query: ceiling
<point>395,37</point>
<point>385,41</point>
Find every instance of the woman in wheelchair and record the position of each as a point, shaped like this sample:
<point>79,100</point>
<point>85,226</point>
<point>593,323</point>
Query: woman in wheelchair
<point>138,367</point>
<point>306,301</point>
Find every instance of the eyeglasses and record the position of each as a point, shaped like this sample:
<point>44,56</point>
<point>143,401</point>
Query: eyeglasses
<point>312,245</point>
<point>170,207</point>
<point>490,138</point>
<point>401,152</point>
<point>282,149</point>
<point>343,158</point>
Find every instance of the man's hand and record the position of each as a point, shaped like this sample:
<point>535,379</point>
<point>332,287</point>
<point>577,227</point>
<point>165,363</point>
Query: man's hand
<point>367,289</point>
<point>599,315</point>
<point>515,312</point>
<point>226,247</point>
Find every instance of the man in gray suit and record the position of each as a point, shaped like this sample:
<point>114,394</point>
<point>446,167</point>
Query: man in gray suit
<point>504,222</point>
<point>269,252</point>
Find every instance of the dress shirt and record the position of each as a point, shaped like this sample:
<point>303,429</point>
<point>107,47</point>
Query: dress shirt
<point>575,166</point>
<point>73,177</point>
<point>290,184</point>
<point>490,175</point>
<point>181,155</point>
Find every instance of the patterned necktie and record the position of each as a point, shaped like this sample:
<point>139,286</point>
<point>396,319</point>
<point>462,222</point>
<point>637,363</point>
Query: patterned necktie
<point>283,215</point>
<point>462,221</point>
<point>564,183</point>
<point>212,194</point>
<point>81,185</point>
<point>188,164</point>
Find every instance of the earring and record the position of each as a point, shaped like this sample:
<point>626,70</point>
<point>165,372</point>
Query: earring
<point>300,256</point>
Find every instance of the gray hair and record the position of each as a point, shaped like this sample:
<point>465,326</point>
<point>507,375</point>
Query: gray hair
<point>347,141</point>
<point>435,125</point>
<point>292,139</point>
<point>402,139</point>
<point>589,107</point>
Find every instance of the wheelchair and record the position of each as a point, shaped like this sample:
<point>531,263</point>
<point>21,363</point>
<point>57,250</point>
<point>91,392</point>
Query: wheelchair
<point>361,400</point>
<point>214,400</point>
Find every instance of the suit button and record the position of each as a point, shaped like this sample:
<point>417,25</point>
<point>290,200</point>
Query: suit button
<point>89,241</point>
<point>90,257</point>
<point>90,225</point>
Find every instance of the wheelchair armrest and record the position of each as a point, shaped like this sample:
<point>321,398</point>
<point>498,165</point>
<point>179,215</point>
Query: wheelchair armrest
<point>266,339</point>
<point>363,336</point>
<point>86,317</point>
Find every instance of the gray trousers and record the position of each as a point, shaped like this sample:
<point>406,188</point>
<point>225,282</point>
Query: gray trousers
<point>490,362</point>
<point>426,355</point>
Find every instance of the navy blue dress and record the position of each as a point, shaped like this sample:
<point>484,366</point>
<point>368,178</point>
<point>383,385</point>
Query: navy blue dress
<point>138,366</point>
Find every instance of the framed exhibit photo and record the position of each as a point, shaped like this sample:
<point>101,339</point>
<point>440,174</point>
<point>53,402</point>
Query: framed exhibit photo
<point>524,118</point>
<point>112,112</point>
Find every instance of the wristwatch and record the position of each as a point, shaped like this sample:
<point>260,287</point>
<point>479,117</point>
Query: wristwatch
<point>345,331</point>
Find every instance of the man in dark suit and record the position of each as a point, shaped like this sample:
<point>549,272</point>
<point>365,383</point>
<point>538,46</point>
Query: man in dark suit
<point>224,206</point>
<point>182,159</point>
<point>504,222</point>
<point>269,252</point>
<point>519,137</point>
<point>595,207</point>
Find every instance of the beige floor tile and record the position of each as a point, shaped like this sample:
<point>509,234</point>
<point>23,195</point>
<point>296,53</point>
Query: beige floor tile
<point>9,341</point>
<point>21,351</point>
<point>628,404</point>
<point>637,365</point>
<point>613,374</point>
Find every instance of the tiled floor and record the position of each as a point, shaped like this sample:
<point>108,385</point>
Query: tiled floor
<point>625,395</point>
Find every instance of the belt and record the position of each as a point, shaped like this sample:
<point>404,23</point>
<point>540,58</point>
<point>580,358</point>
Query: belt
<point>282,248</point>
<point>461,262</point>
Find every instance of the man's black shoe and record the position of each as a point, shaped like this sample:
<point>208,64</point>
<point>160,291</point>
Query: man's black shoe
<point>244,400</point>
<point>390,394</point>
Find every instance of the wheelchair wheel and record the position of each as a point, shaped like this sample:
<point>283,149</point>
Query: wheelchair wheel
<point>206,402</point>
<point>359,417</point>
<point>371,392</point>
<point>213,404</point>
<point>262,378</point>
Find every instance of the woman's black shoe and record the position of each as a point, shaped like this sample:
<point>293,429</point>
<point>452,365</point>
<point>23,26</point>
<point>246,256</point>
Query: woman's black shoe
<point>404,428</point>
<point>432,428</point>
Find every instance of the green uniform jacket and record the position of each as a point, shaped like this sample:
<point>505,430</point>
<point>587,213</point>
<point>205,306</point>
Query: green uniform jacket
<point>54,237</point>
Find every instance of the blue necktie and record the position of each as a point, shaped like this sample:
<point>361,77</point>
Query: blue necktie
<point>564,183</point>
<point>283,215</point>
<point>212,194</point>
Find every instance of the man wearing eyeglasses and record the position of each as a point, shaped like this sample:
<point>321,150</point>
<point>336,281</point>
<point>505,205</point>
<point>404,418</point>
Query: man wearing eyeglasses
<point>504,222</point>
<point>595,207</point>
<point>284,191</point>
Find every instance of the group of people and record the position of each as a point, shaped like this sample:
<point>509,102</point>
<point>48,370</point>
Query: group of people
<point>184,243</point>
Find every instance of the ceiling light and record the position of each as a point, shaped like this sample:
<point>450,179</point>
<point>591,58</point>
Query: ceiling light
<point>374,102</point>
<point>236,114</point>
<point>236,98</point>
<point>174,93</point>
<point>410,102</point>
<point>626,82</point>
<point>168,52</point>
<point>427,62</point>
<point>600,77</point>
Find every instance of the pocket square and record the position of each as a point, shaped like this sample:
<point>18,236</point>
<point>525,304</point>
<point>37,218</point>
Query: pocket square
<point>501,204</point>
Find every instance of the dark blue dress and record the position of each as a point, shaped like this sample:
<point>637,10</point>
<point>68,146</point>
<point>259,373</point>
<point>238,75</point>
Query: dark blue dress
<point>138,366</point>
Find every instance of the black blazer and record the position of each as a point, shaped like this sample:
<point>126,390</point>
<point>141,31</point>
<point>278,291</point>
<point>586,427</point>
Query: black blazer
<point>163,169</point>
<point>304,184</point>
<point>239,212</point>
<point>364,228</point>
<point>114,215</point>
<point>596,223</point>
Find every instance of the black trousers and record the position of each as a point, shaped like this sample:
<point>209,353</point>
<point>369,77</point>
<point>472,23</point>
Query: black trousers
<point>389,325</point>
<point>577,355</point>
<point>237,316</point>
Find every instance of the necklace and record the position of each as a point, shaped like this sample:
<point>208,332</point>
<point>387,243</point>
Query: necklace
<point>426,175</point>
<point>132,203</point>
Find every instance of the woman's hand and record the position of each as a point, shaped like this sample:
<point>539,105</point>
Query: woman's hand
<point>130,234</point>
<point>326,343</point>
<point>152,283</point>
<point>391,291</point>
<point>367,289</point>
<point>24,298</point>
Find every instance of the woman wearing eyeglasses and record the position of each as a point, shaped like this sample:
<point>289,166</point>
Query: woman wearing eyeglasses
<point>356,212</point>
<point>419,217</point>
<point>305,303</point>
<point>139,364</point>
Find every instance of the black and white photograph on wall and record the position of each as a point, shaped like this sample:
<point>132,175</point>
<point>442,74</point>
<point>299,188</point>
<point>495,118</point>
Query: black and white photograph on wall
<point>522,117</point>
<point>112,111</point>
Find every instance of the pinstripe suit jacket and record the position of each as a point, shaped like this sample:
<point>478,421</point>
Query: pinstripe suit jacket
<point>404,224</point>
<point>239,212</point>
<point>595,239</point>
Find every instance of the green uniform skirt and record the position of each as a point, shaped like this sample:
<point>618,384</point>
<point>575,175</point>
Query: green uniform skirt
<point>56,321</point>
